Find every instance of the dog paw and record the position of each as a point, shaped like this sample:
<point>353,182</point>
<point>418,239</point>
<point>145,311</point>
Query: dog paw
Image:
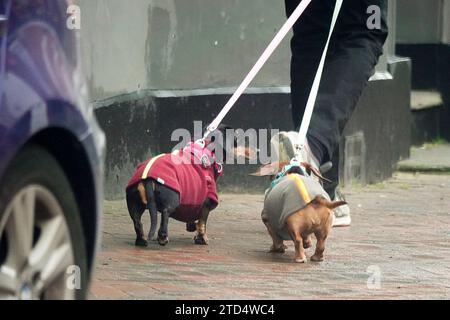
<point>280,249</point>
<point>201,240</point>
<point>141,243</point>
<point>191,227</point>
<point>163,241</point>
<point>301,260</point>
<point>317,258</point>
<point>307,244</point>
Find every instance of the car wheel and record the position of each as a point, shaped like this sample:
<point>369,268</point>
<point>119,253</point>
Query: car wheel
<point>42,246</point>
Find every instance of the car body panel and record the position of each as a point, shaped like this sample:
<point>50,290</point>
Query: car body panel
<point>42,87</point>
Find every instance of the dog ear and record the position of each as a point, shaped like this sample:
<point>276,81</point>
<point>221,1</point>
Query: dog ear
<point>315,171</point>
<point>321,201</point>
<point>247,153</point>
<point>270,169</point>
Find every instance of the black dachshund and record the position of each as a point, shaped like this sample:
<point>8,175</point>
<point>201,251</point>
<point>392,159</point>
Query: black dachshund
<point>180,185</point>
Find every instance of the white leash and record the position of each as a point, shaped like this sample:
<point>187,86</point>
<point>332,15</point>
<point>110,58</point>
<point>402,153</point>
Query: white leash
<point>315,87</point>
<point>263,59</point>
<point>259,64</point>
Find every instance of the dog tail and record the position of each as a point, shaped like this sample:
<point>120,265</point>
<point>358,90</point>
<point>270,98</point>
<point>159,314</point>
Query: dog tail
<point>320,200</point>
<point>151,205</point>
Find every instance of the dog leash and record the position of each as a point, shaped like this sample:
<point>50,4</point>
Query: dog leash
<point>258,66</point>
<point>262,61</point>
<point>315,88</point>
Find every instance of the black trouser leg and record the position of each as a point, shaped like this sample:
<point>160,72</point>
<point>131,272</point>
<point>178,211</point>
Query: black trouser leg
<point>353,54</point>
<point>333,175</point>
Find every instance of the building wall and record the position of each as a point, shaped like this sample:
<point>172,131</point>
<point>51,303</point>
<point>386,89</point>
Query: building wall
<point>423,34</point>
<point>446,22</point>
<point>423,22</point>
<point>179,44</point>
<point>184,44</point>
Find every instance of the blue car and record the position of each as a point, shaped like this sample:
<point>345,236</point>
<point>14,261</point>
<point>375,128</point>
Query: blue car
<point>51,156</point>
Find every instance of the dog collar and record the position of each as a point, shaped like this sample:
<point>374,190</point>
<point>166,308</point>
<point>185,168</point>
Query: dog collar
<point>294,166</point>
<point>201,153</point>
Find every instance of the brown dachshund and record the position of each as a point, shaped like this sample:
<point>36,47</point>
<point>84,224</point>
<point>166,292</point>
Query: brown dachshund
<point>295,207</point>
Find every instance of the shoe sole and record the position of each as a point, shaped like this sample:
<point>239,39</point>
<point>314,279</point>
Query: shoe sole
<point>342,222</point>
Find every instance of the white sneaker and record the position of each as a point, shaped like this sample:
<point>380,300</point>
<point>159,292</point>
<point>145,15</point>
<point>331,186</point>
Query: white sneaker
<point>342,216</point>
<point>283,150</point>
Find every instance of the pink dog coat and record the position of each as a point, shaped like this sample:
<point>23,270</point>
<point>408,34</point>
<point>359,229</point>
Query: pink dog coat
<point>191,172</point>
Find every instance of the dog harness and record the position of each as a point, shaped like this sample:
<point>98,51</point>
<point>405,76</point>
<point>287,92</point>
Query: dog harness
<point>290,194</point>
<point>191,172</point>
<point>293,167</point>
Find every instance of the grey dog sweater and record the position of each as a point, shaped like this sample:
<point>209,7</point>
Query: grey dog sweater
<point>291,194</point>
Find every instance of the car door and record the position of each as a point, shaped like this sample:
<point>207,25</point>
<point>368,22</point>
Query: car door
<point>5,6</point>
<point>4,14</point>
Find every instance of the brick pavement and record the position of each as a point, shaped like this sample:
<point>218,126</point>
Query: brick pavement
<point>400,227</point>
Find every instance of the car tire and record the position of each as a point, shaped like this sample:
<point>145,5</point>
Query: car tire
<point>36,181</point>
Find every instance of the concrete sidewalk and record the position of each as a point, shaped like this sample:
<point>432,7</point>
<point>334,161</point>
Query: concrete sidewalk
<point>428,158</point>
<point>400,231</point>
